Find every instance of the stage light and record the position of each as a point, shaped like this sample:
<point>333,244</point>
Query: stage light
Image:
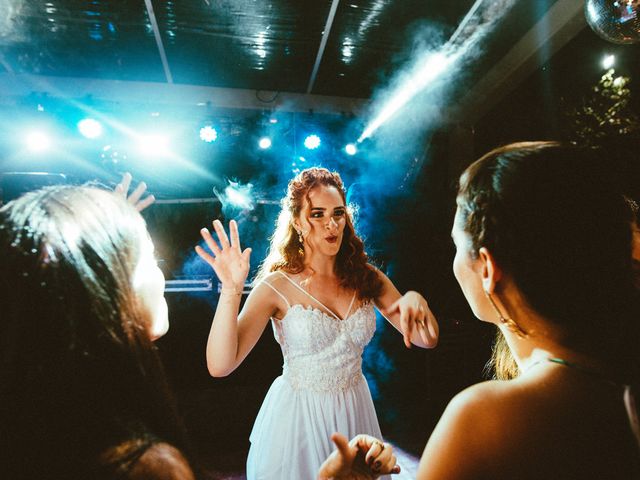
<point>238,195</point>
<point>37,141</point>
<point>208,134</point>
<point>264,143</point>
<point>312,142</point>
<point>351,149</point>
<point>608,61</point>
<point>90,128</point>
<point>153,145</point>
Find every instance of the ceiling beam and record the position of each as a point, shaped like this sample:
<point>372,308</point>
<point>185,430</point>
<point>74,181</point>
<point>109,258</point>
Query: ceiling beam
<point>15,86</point>
<point>562,22</point>
<point>156,33</point>
<point>323,43</point>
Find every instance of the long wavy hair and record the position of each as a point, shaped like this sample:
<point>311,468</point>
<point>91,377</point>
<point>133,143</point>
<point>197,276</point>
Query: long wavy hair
<point>79,372</point>
<point>286,251</point>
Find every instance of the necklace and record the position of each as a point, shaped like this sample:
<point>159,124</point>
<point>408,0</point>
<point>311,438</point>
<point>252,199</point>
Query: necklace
<point>580,368</point>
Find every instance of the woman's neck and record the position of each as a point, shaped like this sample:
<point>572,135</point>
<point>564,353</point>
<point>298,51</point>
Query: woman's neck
<point>533,349</point>
<point>321,265</point>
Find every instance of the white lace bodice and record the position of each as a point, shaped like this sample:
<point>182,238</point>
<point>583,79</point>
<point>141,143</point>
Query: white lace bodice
<point>321,352</point>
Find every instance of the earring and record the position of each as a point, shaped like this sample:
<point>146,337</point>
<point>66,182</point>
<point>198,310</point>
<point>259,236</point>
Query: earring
<point>506,321</point>
<point>301,240</point>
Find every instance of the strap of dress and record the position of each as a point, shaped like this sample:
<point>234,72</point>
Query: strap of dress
<point>278,292</point>
<point>314,298</point>
<point>353,299</point>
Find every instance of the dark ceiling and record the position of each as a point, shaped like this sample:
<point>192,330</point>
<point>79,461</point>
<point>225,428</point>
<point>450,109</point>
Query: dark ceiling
<point>332,48</point>
<point>251,62</point>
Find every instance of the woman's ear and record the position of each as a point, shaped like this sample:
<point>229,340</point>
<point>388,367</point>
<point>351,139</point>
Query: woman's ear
<point>491,272</point>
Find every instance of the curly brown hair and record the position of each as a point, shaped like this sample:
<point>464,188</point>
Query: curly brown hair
<point>286,251</point>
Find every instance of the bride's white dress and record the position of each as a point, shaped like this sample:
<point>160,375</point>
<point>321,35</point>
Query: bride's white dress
<point>321,389</point>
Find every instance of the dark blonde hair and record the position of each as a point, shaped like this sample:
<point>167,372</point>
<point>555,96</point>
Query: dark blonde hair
<point>286,251</point>
<point>561,228</point>
<point>78,365</point>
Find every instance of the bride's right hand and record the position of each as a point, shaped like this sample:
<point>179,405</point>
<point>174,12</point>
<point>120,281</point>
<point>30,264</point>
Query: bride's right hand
<point>228,261</point>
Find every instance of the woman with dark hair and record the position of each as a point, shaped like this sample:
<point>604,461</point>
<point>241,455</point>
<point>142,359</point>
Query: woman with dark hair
<point>83,391</point>
<point>319,290</point>
<point>543,252</point>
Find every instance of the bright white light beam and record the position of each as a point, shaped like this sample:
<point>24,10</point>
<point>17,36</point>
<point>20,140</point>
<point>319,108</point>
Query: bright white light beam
<point>432,68</point>
<point>434,65</point>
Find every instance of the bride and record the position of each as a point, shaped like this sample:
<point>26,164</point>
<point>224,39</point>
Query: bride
<point>319,292</point>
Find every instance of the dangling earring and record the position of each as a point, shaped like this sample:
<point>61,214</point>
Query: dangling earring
<point>301,240</point>
<point>506,321</point>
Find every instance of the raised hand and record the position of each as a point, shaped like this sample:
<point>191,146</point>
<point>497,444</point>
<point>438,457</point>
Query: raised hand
<point>415,313</point>
<point>122,189</point>
<point>230,263</point>
<point>364,457</point>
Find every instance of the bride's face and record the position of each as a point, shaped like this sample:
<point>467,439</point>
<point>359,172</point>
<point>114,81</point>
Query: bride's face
<point>322,220</point>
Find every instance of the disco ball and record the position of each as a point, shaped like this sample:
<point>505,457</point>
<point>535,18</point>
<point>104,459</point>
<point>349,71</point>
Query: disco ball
<point>616,21</point>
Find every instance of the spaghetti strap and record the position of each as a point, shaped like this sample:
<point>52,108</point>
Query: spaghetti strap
<point>350,305</point>
<point>278,292</point>
<point>314,298</point>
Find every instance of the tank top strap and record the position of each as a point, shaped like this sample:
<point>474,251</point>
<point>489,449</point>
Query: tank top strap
<point>310,296</point>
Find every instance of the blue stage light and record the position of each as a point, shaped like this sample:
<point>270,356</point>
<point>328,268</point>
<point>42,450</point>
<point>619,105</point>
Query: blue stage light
<point>90,128</point>
<point>351,149</point>
<point>37,141</point>
<point>312,142</point>
<point>264,143</point>
<point>208,134</point>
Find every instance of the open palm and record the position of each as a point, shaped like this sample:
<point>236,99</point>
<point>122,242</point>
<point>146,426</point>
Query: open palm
<point>228,261</point>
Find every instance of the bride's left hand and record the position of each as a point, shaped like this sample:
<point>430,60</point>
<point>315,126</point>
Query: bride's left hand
<point>415,312</point>
<point>363,458</point>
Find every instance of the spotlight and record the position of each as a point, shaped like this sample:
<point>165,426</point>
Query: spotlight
<point>208,134</point>
<point>608,61</point>
<point>312,142</point>
<point>90,128</point>
<point>37,141</point>
<point>264,143</point>
<point>238,195</point>
<point>351,149</point>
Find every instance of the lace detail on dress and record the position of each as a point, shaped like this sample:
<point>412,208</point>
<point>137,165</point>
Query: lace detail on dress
<point>321,353</point>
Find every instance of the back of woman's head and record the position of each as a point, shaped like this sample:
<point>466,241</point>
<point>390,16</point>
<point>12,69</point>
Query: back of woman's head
<point>78,366</point>
<point>562,231</point>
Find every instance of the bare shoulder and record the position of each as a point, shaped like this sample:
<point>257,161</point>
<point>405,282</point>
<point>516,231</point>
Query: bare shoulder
<point>470,431</point>
<point>267,296</point>
<point>162,461</point>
